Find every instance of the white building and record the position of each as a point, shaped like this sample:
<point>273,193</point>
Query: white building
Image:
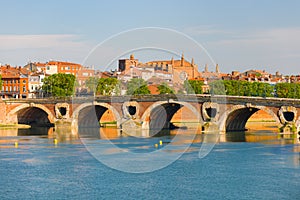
<point>51,68</point>
<point>35,83</point>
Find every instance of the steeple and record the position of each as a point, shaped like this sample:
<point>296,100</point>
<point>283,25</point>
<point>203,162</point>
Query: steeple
<point>131,57</point>
<point>192,62</point>
<point>217,68</point>
<point>182,59</point>
<point>172,61</point>
<point>206,68</point>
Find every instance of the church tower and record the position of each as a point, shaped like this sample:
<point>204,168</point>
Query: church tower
<point>217,69</point>
<point>131,57</point>
<point>182,60</point>
<point>172,62</point>
<point>206,68</point>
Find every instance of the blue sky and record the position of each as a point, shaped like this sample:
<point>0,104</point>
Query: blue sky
<point>238,34</point>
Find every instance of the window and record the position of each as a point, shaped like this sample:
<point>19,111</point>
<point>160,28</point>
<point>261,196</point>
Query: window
<point>24,81</point>
<point>6,88</point>
<point>24,89</point>
<point>15,88</point>
<point>10,88</point>
<point>48,67</point>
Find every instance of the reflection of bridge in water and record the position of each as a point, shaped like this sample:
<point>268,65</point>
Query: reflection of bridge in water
<point>147,115</point>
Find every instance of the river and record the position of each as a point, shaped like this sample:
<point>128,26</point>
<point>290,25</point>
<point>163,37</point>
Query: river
<point>255,165</point>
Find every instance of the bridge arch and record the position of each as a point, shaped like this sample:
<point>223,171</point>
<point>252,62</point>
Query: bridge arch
<point>31,114</point>
<point>160,113</point>
<point>89,114</point>
<point>236,118</point>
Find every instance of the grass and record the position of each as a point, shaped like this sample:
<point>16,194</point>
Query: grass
<point>105,124</point>
<point>8,126</point>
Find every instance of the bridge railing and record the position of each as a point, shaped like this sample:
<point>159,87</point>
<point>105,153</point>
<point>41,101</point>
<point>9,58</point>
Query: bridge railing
<point>166,97</point>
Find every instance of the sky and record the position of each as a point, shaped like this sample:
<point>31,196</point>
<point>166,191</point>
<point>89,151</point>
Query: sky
<point>237,34</point>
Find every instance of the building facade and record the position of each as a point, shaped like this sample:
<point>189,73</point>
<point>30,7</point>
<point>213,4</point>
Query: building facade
<point>14,82</point>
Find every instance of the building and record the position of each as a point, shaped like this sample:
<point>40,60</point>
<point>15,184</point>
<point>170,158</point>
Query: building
<point>173,72</point>
<point>181,70</point>
<point>40,70</point>
<point>15,82</point>
<point>35,83</point>
<point>82,75</point>
<point>125,64</point>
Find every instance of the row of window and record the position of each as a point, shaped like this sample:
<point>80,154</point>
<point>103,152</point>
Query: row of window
<point>66,68</point>
<point>69,68</point>
<point>34,88</point>
<point>13,81</point>
<point>13,89</point>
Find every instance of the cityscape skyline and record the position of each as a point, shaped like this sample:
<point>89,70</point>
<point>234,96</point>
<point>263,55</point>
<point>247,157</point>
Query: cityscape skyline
<point>238,35</point>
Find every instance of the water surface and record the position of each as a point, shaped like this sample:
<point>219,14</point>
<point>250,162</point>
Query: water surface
<point>258,165</point>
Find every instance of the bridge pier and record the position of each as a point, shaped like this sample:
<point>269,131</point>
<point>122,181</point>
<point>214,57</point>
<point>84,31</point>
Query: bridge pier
<point>288,118</point>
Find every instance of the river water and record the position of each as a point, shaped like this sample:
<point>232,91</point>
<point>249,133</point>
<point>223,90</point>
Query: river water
<point>255,165</point>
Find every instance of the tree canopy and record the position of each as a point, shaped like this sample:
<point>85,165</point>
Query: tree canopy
<point>193,86</point>
<point>1,82</point>
<point>91,83</point>
<point>108,86</point>
<point>288,90</point>
<point>241,88</point>
<point>59,85</point>
<point>165,89</point>
<point>137,86</point>
<point>217,87</point>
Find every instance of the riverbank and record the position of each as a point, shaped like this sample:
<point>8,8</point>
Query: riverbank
<point>12,126</point>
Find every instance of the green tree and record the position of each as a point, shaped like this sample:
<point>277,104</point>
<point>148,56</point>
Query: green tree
<point>108,86</point>
<point>91,83</point>
<point>1,82</point>
<point>193,86</point>
<point>137,86</point>
<point>59,85</point>
<point>232,87</point>
<point>282,90</point>
<point>217,87</point>
<point>165,89</point>
<point>288,90</point>
<point>264,89</point>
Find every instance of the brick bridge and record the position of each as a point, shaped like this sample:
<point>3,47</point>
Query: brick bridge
<point>152,112</point>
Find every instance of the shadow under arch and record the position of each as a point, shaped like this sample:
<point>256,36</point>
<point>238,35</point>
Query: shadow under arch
<point>32,114</point>
<point>236,118</point>
<point>88,115</point>
<point>159,115</point>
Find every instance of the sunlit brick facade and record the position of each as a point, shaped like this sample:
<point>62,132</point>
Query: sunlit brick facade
<point>14,82</point>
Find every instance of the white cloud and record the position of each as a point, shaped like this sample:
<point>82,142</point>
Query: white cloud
<point>271,49</point>
<point>279,38</point>
<point>19,49</point>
